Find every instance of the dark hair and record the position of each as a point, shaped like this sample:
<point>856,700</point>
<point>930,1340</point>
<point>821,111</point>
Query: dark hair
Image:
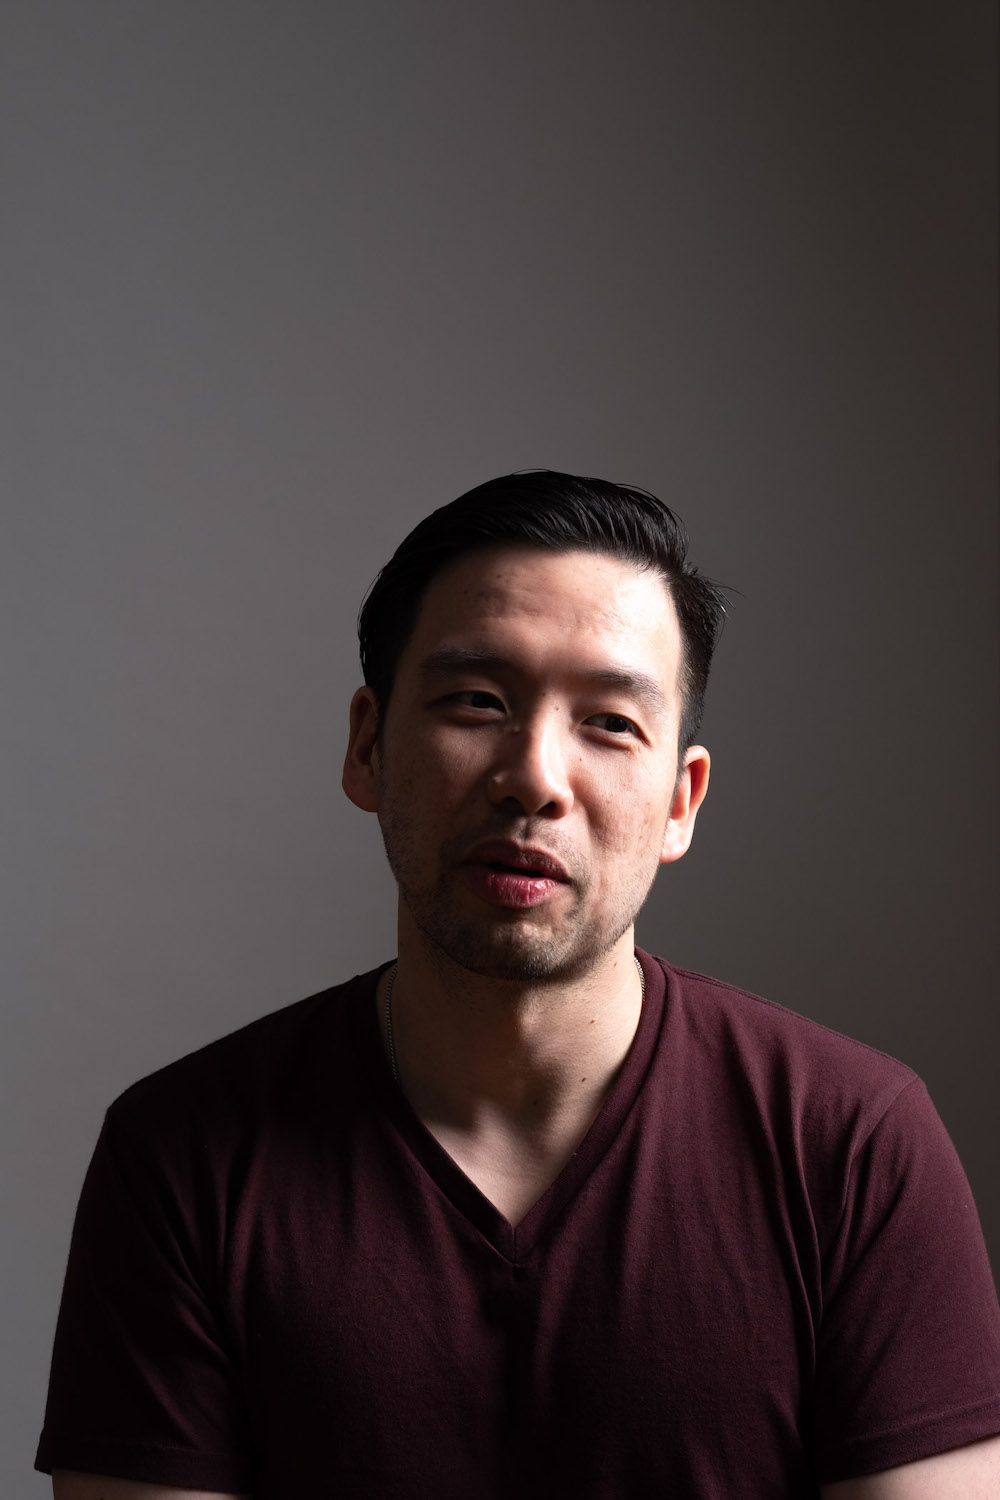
<point>559,513</point>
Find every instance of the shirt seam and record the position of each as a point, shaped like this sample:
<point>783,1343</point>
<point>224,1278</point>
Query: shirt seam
<point>735,989</point>
<point>69,1435</point>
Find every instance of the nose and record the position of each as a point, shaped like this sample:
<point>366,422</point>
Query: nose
<point>531,769</point>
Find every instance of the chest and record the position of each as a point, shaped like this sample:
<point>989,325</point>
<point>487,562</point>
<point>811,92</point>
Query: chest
<point>512,1171</point>
<point>626,1328</point>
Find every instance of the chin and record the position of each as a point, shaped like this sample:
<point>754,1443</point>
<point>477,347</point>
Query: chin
<point>514,968</point>
<point>517,956</point>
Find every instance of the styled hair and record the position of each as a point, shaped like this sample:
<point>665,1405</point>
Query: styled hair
<point>557,513</point>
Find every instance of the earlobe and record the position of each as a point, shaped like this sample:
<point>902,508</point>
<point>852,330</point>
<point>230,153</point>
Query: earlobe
<point>361,771</point>
<point>689,794</point>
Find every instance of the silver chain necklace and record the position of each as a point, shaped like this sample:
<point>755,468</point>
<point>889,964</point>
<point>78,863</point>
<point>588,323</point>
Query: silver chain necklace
<point>391,1041</point>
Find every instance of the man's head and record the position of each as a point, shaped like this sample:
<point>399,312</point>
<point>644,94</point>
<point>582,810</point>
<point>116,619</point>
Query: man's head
<point>557,513</point>
<point>521,733</point>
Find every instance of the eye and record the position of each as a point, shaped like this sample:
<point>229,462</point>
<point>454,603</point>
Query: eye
<point>476,698</point>
<point>473,704</point>
<point>615,724</point>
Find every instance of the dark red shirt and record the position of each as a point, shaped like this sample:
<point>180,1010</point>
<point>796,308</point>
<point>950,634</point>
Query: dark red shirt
<point>761,1270</point>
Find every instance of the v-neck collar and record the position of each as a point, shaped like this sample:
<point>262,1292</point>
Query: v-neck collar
<point>515,1242</point>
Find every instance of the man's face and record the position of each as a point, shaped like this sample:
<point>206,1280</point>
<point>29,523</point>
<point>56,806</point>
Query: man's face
<point>526,777</point>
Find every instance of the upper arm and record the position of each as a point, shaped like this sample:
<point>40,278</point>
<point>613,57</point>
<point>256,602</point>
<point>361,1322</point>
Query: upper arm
<point>144,1372</point>
<point>67,1484</point>
<point>969,1473</point>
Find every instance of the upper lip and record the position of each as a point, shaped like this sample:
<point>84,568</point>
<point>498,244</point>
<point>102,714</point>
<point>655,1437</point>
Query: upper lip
<point>518,856</point>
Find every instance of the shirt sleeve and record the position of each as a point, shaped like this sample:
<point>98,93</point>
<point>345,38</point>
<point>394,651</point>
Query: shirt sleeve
<point>143,1385</point>
<point>908,1357</point>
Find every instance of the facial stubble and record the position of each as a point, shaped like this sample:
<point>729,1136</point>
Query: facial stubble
<point>559,940</point>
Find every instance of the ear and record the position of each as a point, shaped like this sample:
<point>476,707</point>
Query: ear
<point>361,771</point>
<point>689,794</point>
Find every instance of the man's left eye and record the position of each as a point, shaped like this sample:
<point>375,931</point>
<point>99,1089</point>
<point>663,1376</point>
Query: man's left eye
<point>613,723</point>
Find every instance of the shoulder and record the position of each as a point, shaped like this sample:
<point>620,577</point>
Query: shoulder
<point>234,1080</point>
<point>843,1129</point>
<point>767,1035</point>
<point>817,1090</point>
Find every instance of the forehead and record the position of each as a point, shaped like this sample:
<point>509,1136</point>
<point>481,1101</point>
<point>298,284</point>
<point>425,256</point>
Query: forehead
<point>586,608</point>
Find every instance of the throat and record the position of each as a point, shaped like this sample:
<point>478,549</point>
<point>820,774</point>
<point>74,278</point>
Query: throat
<point>512,1170</point>
<point>508,1085</point>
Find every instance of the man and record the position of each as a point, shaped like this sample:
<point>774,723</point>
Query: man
<point>526,1212</point>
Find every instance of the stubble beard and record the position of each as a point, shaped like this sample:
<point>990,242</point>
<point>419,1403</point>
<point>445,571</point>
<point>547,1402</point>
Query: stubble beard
<point>515,946</point>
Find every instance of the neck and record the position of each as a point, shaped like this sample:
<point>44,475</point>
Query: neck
<point>474,1053</point>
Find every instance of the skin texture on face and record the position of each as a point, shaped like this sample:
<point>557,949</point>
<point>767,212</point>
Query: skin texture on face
<point>536,705</point>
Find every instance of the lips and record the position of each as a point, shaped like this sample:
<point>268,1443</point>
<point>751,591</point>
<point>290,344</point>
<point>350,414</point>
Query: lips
<point>513,876</point>
<point>504,855</point>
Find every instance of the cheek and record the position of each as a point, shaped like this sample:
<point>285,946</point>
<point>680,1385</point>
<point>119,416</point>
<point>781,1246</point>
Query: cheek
<point>428,775</point>
<point>646,840</point>
<point>632,815</point>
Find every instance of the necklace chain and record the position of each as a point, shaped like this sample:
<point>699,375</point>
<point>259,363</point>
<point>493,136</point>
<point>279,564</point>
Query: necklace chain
<point>388,1024</point>
<point>391,1041</point>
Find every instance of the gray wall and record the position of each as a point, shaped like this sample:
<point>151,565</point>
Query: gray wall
<point>282,277</point>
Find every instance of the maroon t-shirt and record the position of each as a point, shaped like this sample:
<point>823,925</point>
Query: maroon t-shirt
<point>761,1270</point>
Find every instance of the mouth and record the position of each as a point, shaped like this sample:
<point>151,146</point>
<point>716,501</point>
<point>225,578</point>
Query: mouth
<point>513,859</point>
<point>508,875</point>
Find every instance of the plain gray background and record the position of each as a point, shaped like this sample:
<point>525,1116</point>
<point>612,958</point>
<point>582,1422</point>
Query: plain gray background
<point>279,279</point>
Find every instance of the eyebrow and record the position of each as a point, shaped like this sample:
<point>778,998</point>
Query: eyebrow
<point>633,684</point>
